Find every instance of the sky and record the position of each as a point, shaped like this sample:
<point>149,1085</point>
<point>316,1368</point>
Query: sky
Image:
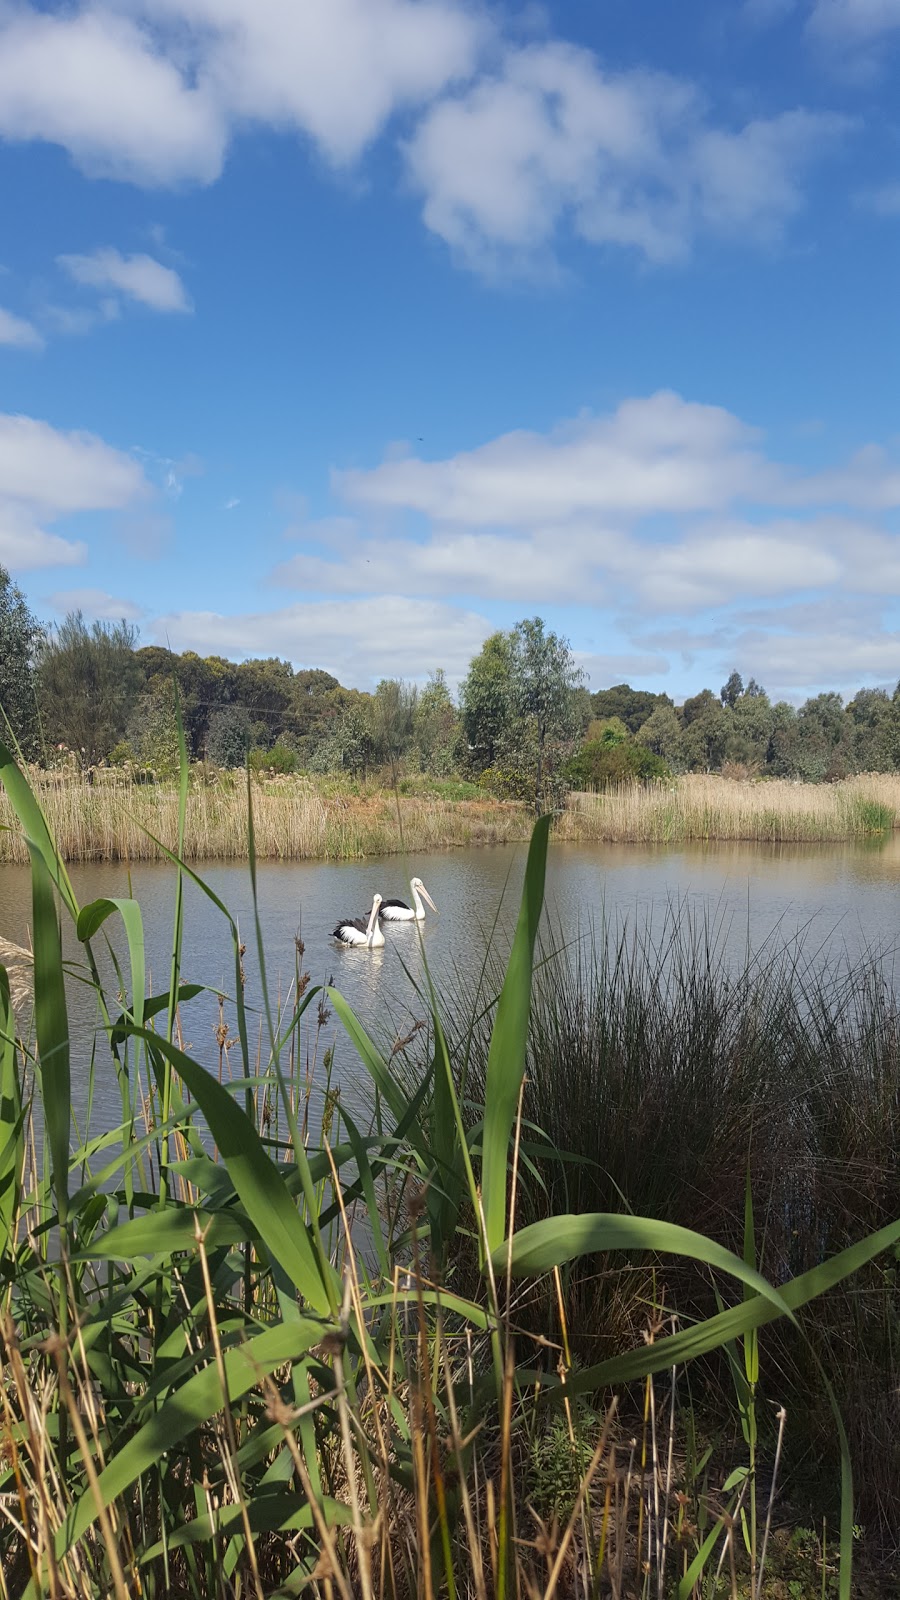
<point>350,331</point>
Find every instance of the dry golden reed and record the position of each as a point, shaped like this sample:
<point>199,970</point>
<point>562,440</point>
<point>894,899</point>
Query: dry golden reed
<point>297,819</point>
<point>706,806</point>
<point>292,819</point>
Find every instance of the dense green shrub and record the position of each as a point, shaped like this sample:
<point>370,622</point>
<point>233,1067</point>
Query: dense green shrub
<point>603,762</point>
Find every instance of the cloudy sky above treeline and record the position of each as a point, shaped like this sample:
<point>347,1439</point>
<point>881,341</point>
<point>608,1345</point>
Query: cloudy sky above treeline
<point>352,330</point>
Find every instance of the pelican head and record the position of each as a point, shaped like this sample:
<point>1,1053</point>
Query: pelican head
<point>418,887</point>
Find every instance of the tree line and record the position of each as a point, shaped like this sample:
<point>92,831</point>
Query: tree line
<point>524,724</point>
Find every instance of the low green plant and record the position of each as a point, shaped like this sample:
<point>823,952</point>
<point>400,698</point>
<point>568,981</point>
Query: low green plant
<point>237,1355</point>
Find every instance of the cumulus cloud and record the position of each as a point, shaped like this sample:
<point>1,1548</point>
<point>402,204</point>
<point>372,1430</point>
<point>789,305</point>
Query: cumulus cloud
<point>513,144</point>
<point>359,641</point>
<point>139,277</point>
<point>96,604</point>
<point>854,21</point>
<point>17,332</point>
<point>151,90</point>
<point>101,86</point>
<point>629,159</point>
<point>660,454</point>
<point>663,509</point>
<point>26,547</point>
<point>46,474</point>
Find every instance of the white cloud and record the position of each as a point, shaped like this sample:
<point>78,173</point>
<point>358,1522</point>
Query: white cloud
<point>621,667</point>
<point>27,547</point>
<point>662,454</point>
<point>151,90</point>
<point>19,333</point>
<point>46,474</point>
<point>95,603</point>
<point>505,155</point>
<point>839,657</point>
<point>664,505</point>
<point>332,69</point>
<point>359,641</point>
<point>63,472</point>
<point>628,159</point>
<point>75,321</point>
<point>100,85</point>
<point>140,277</point>
<point>854,21</point>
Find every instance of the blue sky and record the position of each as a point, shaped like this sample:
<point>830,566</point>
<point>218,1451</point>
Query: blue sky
<point>350,330</point>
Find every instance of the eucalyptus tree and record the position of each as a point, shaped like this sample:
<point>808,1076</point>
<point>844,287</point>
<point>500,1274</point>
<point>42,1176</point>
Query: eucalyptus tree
<point>88,679</point>
<point>20,637</point>
<point>543,679</point>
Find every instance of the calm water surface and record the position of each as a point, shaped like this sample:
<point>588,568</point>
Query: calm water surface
<point>831,902</point>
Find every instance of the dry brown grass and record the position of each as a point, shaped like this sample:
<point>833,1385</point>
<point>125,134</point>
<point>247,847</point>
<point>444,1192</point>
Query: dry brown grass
<point>293,820</point>
<point>706,806</point>
<point>113,819</point>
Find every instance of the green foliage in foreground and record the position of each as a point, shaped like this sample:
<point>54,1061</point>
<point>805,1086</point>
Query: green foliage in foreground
<point>236,1358</point>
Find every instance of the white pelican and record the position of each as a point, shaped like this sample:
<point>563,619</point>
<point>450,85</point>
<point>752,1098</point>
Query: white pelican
<point>357,931</point>
<point>399,911</point>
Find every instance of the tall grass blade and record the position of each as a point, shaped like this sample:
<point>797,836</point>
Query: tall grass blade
<point>550,1243</point>
<point>51,1022</point>
<point>718,1330</point>
<point>506,1057</point>
<point>92,917</point>
<point>193,1403</point>
<point>260,1187</point>
<point>34,826</point>
<point>11,1115</point>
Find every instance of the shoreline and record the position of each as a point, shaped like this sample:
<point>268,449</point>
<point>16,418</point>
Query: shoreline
<point>298,820</point>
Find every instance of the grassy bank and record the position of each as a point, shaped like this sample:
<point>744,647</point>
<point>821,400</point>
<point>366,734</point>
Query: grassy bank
<point>294,819</point>
<point>238,1359</point>
<point>704,806</point>
<point>113,819</point>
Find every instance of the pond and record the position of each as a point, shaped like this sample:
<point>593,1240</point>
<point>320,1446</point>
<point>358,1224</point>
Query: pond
<point>828,903</point>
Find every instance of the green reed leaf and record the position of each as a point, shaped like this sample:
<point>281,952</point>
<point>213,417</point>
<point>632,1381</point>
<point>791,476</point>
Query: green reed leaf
<point>259,1185</point>
<point>506,1057</point>
<point>163,1232</point>
<point>34,825</point>
<point>51,1022</point>
<point>92,917</point>
<point>555,1240</point>
<point>698,1340</point>
<point>191,1405</point>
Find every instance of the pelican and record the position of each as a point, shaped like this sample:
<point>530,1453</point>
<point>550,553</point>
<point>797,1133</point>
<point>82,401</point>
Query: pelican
<point>357,931</point>
<point>399,911</point>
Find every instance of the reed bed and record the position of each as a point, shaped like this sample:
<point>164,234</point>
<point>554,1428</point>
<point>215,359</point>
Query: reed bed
<point>112,819</point>
<point>662,1077</point>
<point>705,806</point>
<point>109,821</point>
<point>251,1348</point>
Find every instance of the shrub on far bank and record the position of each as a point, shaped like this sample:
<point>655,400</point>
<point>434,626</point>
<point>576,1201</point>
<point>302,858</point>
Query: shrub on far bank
<point>281,759</point>
<point>603,763</point>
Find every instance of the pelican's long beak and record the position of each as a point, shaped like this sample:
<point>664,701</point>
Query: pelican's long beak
<point>426,896</point>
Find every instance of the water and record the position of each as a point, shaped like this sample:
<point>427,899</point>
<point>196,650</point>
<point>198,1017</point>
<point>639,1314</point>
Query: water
<point>832,903</point>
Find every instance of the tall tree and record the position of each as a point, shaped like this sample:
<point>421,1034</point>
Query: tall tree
<point>731,692</point>
<point>393,718</point>
<point>486,701</point>
<point>437,727</point>
<point>634,706</point>
<point>88,680</point>
<point>543,677</point>
<point>20,636</point>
